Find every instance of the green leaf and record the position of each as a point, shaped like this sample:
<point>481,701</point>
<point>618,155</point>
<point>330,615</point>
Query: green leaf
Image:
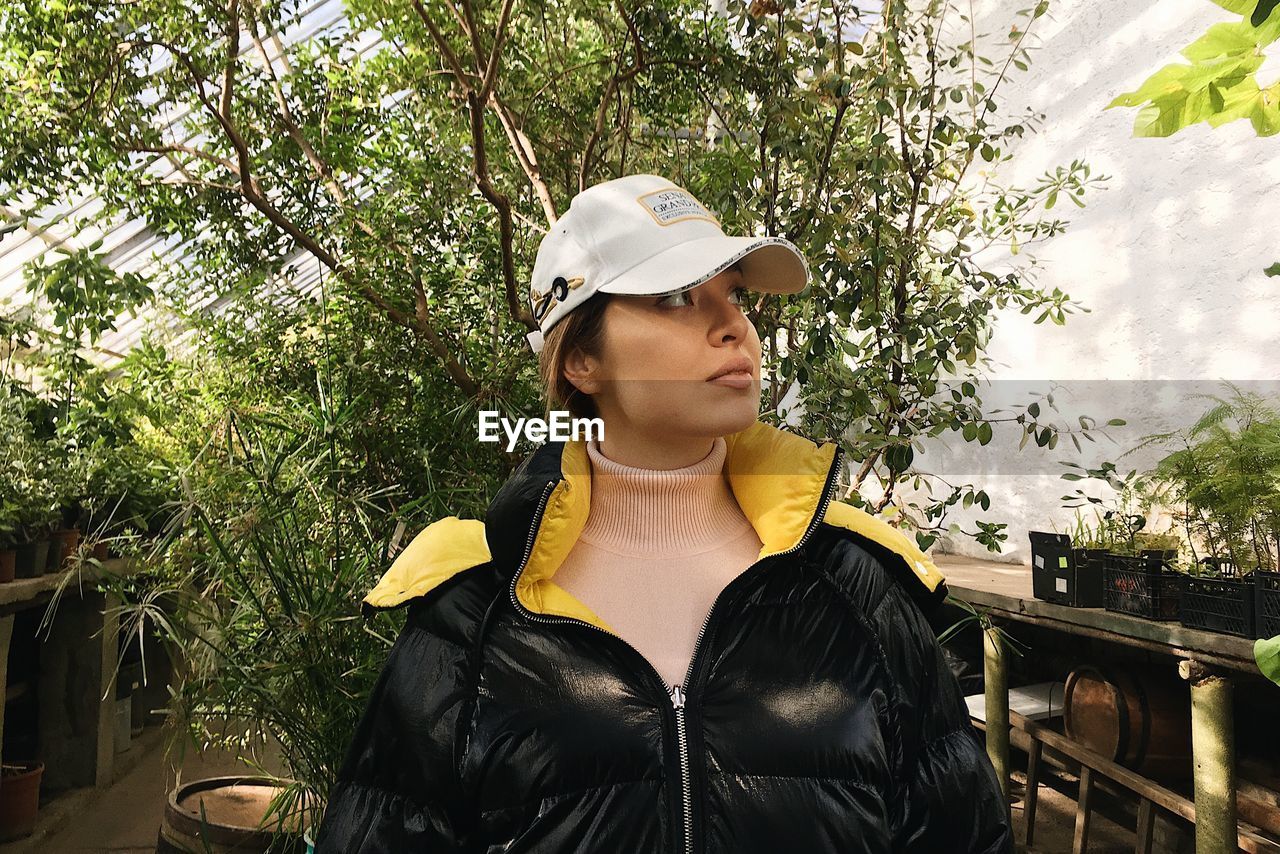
<point>1226,39</point>
<point>1266,652</point>
<point>1273,270</point>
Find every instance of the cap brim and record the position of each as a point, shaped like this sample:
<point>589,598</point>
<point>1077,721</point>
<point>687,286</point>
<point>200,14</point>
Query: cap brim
<point>770,265</point>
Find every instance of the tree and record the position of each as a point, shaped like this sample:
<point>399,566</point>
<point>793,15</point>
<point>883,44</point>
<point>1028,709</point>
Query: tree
<point>420,169</point>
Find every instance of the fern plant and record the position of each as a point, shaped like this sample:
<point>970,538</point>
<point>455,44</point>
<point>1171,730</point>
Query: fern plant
<point>1224,476</point>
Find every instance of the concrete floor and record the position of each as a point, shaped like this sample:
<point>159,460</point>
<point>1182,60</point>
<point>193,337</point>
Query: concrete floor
<point>125,817</point>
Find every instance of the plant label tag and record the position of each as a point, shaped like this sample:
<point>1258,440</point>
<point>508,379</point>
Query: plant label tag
<point>1062,562</point>
<point>1060,584</point>
<point>1040,561</point>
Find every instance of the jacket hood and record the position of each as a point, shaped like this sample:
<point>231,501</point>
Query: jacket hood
<point>779,479</point>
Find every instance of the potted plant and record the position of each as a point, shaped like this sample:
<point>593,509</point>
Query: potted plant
<point>1224,476</point>
<point>60,467</point>
<point>8,528</point>
<point>1115,554</point>
<point>36,505</point>
<point>19,798</point>
<point>271,541</point>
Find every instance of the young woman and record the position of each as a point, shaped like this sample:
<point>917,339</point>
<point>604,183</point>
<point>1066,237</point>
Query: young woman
<point>673,638</point>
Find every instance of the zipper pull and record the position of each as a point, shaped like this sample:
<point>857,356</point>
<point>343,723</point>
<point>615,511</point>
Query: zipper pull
<point>677,696</point>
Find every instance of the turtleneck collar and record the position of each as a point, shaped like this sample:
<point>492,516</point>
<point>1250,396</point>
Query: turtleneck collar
<point>661,512</point>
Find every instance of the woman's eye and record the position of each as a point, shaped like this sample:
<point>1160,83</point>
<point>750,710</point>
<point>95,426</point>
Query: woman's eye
<point>739,295</point>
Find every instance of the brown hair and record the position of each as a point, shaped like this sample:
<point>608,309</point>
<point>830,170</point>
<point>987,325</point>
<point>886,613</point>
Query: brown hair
<point>582,328</point>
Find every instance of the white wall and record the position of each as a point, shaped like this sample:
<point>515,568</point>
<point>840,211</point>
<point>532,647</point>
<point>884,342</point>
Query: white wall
<point>1169,255</point>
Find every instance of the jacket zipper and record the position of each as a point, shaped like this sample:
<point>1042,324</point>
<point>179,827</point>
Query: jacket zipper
<point>679,692</point>
<point>676,693</point>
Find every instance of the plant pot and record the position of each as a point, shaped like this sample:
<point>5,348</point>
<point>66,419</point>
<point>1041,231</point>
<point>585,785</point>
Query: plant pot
<point>1063,574</point>
<point>1223,604</point>
<point>8,565</point>
<point>233,808</point>
<point>53,558</point>
<point>31,558</point>
<point>1142,585</point>
<point>19,799</point>
<point>100,550</point>
<point>1266,602</point>
<point>70,540</point>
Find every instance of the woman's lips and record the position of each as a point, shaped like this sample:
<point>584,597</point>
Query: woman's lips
<point>736,379</point>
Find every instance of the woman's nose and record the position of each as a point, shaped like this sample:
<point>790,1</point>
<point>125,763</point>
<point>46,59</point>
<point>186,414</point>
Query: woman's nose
<point>730,319</point>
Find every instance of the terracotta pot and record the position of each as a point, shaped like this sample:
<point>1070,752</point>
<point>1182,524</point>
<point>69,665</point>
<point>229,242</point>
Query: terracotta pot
<point>19,799</point>
<point>8,564</point>
<point>100,550</point>
<point>67,540</point>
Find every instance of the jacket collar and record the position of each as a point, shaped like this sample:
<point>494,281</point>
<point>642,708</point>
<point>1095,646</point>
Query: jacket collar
<point>778,479</point>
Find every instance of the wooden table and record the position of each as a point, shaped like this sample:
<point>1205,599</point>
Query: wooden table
<point>1207,660</point>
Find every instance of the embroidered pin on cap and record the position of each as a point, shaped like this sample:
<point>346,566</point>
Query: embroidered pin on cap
<point>644,235</point>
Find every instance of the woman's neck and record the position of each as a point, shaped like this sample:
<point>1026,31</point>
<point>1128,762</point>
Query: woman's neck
<point>660,512</point>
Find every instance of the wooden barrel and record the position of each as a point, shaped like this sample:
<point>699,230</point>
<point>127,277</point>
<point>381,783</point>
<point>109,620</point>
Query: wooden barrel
<point>233,808</point>
<point>1131,717</point>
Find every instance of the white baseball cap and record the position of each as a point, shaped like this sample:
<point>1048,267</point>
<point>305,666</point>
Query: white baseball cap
<point>642,234</point>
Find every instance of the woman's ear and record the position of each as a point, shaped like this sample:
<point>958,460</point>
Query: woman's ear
<point>583,371</point>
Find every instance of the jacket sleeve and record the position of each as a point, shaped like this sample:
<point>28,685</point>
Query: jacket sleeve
<point>950,795</point>
<point>398,790</point>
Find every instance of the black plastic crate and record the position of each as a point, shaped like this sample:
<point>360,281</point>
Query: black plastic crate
<point>1141,585</point>
<point>1266,603</point>
<point>1223,604</point>
<point>1065,575</point>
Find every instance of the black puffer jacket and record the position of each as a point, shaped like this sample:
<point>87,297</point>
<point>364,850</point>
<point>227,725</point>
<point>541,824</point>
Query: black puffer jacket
<point>818,714</point>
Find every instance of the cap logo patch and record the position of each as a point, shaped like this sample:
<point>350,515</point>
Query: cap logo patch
<point>674,205</point>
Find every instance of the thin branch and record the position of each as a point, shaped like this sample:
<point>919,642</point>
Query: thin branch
<point>610,86</point>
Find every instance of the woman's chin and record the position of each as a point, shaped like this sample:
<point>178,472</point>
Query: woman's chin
<point>732,417</point>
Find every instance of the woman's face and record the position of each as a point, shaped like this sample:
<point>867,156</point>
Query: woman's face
<point>652,380</point>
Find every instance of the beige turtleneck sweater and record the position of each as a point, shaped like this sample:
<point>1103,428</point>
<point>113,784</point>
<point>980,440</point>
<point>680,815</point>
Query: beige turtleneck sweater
<point>658,547</point>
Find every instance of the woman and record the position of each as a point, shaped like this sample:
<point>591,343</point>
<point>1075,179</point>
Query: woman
<point>673,638</point>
